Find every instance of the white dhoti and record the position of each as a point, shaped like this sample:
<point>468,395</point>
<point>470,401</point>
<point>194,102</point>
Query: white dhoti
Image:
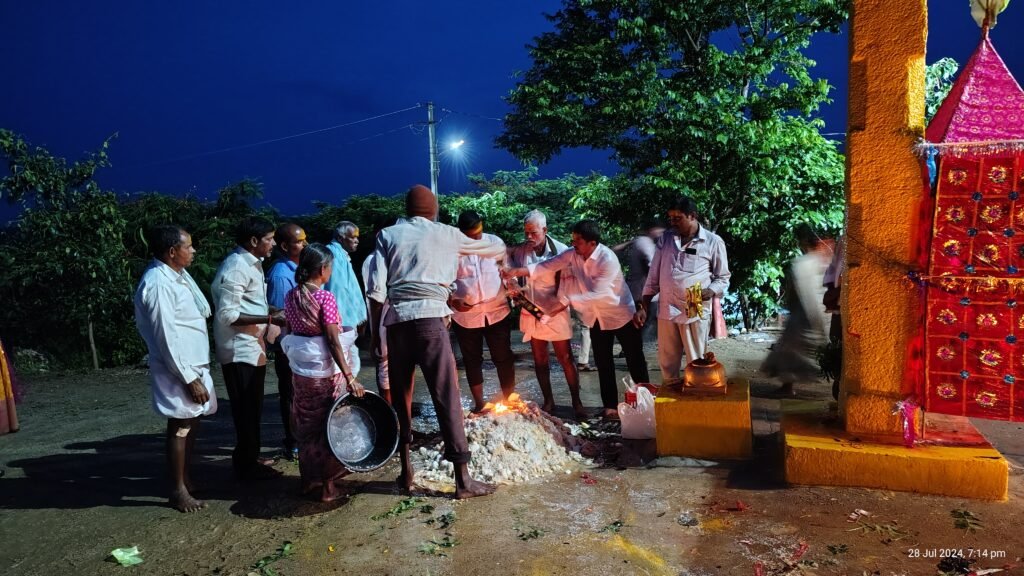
<point>171,397</point>
<point>347,337</point>
<point>557,329</point>
<point>676,341</point>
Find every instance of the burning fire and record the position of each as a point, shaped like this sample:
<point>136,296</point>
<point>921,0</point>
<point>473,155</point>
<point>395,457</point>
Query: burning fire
<point>513,403</point>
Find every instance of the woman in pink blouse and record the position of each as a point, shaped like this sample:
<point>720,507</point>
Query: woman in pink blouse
<point>319,369</point>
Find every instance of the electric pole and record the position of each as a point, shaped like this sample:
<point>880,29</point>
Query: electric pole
<point>435,166</point>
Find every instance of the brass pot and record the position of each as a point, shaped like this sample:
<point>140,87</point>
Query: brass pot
<point>705,374</point>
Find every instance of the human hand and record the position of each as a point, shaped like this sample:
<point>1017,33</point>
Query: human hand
<point>460,305</point>
<point>545,319</point>
<point>277,317</point>
<point>707,294</point>
<point>640,318</point>
<point>197,390</point>
<point>356,388</point>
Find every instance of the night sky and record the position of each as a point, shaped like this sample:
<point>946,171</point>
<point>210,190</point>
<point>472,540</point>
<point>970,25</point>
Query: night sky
<point>178,81</point>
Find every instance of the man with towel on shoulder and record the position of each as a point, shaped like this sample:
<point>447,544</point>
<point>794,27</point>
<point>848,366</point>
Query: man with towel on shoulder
<point>416,263</point>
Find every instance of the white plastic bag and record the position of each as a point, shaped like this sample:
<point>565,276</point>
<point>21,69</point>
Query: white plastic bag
<point>638,421</point>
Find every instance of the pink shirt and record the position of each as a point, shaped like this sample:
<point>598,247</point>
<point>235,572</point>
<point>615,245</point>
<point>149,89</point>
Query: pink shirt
<point>300,323</point>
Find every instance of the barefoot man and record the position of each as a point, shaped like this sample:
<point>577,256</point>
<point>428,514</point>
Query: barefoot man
<point>171,313</point>
<point>416,263</point>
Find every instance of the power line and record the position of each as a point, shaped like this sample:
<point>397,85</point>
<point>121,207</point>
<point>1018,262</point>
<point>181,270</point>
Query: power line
<point>472,115</point>
<point>282,138</point>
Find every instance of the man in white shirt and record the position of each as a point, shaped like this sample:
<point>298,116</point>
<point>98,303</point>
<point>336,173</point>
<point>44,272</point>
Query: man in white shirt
<point>688,254</point>
<point>593,284</point>
<point>480,311</point>
<point>239,327</point>
<point>416,262</point>
<point>378,332</point>
<point>556,328</point>
<point>171,313</point>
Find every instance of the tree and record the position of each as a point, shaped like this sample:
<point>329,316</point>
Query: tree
<point>707,99</point>
<point>938,82</point>
<point>66,269</point>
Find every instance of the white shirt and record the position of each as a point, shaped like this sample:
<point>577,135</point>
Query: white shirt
<point>676,267</point>
<point>170,322</point>
<point>238,288</point>
<point>416,263</point>
<point>594,287</point>
<point>542,290</point>
<point>478,284</point>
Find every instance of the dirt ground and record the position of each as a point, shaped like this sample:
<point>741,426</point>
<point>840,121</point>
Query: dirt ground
<point>86,475</point>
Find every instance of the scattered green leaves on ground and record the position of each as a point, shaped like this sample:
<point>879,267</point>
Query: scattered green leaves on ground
<point>966,520</point>
<point>435,547</point>
<point>444,521</point>
<point>530,534</point>
<point>837,549</point>
<point>402,507</point>
<point>614,527</point>
<point>427,509</point>
<point>892,531</point>
<point>263,567</point>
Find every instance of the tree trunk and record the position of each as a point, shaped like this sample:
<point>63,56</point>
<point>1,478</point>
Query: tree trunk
<point>745,311</point>
<point>92,346</point>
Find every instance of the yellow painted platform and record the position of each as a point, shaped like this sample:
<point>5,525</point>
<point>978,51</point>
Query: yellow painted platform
<point>712,427</point>
<point>817,454</point>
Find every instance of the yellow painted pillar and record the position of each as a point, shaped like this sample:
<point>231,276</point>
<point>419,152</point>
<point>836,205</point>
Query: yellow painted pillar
<point>886,116</point>
<point>880,308</point>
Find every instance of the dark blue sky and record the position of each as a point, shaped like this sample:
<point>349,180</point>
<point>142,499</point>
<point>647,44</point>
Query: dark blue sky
<point>179,80</point>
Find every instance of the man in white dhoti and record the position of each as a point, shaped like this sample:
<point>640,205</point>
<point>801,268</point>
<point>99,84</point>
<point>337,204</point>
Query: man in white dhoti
<point>171,313</point>
<point>555,326</point>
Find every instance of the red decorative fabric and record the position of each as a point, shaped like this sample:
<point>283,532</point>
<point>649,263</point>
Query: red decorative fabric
<point>974,363</point>
<point>985,103</point>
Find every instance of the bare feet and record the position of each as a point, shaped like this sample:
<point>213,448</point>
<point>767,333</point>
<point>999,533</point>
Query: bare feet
<point>405,483</point>
<point>182,501</point>
<point>610,414</point>
<point>473,488</point>
<point>331,493</point>
<point>580,413</point>
<point>479,408</point>
<point>548,406</point>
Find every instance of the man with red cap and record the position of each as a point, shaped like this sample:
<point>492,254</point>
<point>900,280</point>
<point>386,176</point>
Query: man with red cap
<point>415,265</point>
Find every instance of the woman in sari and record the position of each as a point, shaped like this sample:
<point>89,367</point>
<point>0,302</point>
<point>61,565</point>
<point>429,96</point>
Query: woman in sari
<point>319,369</point>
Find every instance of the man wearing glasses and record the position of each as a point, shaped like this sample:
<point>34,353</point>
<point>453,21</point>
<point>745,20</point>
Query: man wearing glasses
<point>689,258</point>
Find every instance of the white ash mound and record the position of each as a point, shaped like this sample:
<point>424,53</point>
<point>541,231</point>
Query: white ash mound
<point>512,442</point>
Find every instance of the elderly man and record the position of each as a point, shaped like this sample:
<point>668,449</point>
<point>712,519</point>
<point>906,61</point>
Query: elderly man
<point>556,328</point>
<point>415,265</point>
<point>291,239</point>
<point>688,256</point>
<point>480,312</point>
<point>171,313</point>
<point>592,282</point>
<point>345,287</point>
<point>239,327</point>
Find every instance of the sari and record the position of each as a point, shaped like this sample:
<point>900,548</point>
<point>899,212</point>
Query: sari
<point>315,381</point>
<point>8,413</point>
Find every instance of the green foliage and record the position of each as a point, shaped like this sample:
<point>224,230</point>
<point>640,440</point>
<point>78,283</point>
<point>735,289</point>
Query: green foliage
<point>683,115</point>
<point>76,252</point>
<point>64,261</point>
<point>938,82</point>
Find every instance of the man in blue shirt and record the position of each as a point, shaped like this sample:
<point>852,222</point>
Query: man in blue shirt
<point>291,239</point>
<point>345,287</point>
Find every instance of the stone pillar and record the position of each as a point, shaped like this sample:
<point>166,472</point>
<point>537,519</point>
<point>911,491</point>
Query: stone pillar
<point>883,187</point>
